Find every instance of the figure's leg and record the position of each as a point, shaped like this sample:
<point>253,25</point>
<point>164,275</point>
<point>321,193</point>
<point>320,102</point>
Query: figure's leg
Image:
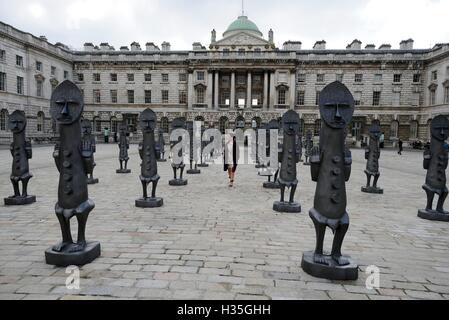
<point>282,192</point>
<point>153,191</point>
<point>430,196</point>
<point>81,243</point>
<point>174,173</point>
<point>320,230</point>
<point>191,164</point>
<point>126,164</point>
<point>276,175</point>
<point>368,179</point>
<point>25,187</point>
<point>66,234</point>
<point>15,185</point>
<point>441,200</point>
<point>182,172</point>
<point>338,242</point>
<point>144,188</point>
<point>292,193</point>
<point>376,178</point>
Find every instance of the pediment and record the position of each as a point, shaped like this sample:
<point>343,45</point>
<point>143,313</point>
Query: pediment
<point>241,38</point>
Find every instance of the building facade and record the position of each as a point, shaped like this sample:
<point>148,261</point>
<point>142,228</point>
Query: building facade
<point>242,76</point>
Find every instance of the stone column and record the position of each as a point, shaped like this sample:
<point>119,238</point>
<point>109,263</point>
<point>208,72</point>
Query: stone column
<point>272,91</point>
<point>209,92</point>
<point>217,92</point>
<point>190,91</point>
<point>249,90</point>
<point>232,102</point>
<point>292,90</point>
<point>265,90</point>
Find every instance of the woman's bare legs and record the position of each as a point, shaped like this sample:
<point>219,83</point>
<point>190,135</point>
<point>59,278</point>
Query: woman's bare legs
<point>230,176</point>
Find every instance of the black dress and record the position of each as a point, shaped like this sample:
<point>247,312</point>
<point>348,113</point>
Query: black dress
<point>234,157</point>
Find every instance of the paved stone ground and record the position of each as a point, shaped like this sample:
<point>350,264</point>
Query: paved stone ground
<point>212,242</point>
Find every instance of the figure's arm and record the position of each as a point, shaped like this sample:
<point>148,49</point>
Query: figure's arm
<point>94,145</point>
<point>280,152</point>
<point>348,164</point>
<point>87,157</point>
<point>315,163</point>
<point>427,157</point>
<point>56,156</point>
<point>28,149</point>
<point>11,148</point>
<point>366,153</point>
<point>141,150</point>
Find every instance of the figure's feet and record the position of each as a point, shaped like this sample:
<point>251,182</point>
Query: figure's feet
<point>340,260</point>
<point>320,259</point>
<point>77,247</point>
<point>61,246</point>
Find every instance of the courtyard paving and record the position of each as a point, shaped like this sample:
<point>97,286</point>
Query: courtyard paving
<point>213,242</point>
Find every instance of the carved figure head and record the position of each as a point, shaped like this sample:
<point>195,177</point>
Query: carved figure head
<point>336,105</point>
<point>290,123</point>
<point>66,104</point>
<point>147,120</point>
<point>17,121</point>
<point>374,130</point>
<point>440,128</point>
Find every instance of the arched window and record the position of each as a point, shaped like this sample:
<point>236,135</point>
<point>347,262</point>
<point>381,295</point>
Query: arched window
<point>114,125</point>
<point>40,121</point>
<point>223,124</point>
<point>257,121</point>
<point>240,122</point>
<point>317,127</point>
<point>3,119</point>
<point>164,125</point>
<point>414,130</point>
<point>97,124</point>
<point>394,129</point>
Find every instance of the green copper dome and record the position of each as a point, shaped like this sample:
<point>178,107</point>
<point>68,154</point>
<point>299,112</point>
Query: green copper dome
<point>243,23</point>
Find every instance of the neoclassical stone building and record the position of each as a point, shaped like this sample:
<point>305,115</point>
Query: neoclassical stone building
<point>242,76</point>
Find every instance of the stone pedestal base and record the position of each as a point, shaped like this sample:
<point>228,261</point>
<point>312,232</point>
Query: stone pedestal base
<point>203,165</point>
<point>161,160</point>
<point>123,171</point>
<point>19,201</point>
<point>92,181</point>
<point>331,270</point>
<point>306,163</point>
<point>271,185</point>
<point>81,258</point>
<point>193,171</point>
<point>178,182</point>
<point>372,190</point>
<point>433,215</point>
<point>287,207</point>
<point>149,202</point>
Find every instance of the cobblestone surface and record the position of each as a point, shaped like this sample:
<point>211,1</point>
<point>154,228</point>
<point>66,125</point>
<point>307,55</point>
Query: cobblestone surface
<point>213,242</point>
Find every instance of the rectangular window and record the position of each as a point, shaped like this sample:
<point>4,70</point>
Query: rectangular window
<point>358,98</point>
<point>434,75</point>
<point>301,77</point>
<point>113,96</point>
<point>182,97</point>
<point>446,95</point>
<point>432,97</point>
<point>2,81</point>
<point>200,95</point>
<point>80,77</point>
<point>97,96</point>
<point>53,71</point>
<point>241,79</point>
<point>113,77</point>
<point>96,77</point>
<point>281,97</point>
<point>241,52</point>
<point>417,78</point>
<point>225,52</point>
<point>19,61</point>
<point>39,88</point>
<point>200,76</point>
<point>130,77</point>
<point>130,96</point>
<point>164,95</point>
<point>339,77</point>
<point>416,99</point>
<point>225,98</point>
<point>320,78</point>
<point>165,77</point>
<point>147,77</point>
<point>378,78</point>
<point>147,96</point>
<point>396,99</point>
<point>397,78</point>
<point>38,66</point>
<point>447,70</point>
<point>2,55</point>
<point>317,98</point>
<point>358,78</point>
<point>257,52</point>
<point>20,85</point>
<point>376,98</point>
<point>182,77</point>
<point>300,98</point>
<point>66,74</point>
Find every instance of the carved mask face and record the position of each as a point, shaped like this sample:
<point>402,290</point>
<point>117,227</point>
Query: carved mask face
<point>374,130</point>
<point>440,128</point>
<point>86,127</point>
<point>147,121</point>
<point>290,123</point>
<point>66,104</point>
<point>336,105</point>
<point>17,121</point>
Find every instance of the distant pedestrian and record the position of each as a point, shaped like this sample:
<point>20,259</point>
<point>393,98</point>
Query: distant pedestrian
<point>382,140</point>
<point>401,147</point>
<point>231,157</point>
<point>106,135</point>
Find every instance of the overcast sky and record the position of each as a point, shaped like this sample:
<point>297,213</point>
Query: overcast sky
<point>182,22</point>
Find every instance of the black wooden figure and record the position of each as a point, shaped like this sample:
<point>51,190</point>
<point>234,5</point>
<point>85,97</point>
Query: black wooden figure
<point>308,147</point>
<point>160,147</point>
<point>372,154</point>
<point>88,142</point>
<point>123,145</point>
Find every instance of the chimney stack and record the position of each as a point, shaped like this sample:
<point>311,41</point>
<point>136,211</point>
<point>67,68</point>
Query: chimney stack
<point>320,45</point>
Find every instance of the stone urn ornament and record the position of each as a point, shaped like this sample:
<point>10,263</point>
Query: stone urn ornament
<point>178,123</point>
<point>288,157</point>
<point>21,152</point>
<point>123,145</point>
<point>72,159</point>
<point>331,168</point>
<point>88,142</point>
<point>436,162</point>
<point>147,152</point>
<point>372,155</point>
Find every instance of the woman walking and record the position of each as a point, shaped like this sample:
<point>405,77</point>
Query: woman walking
<point>231,151</point>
